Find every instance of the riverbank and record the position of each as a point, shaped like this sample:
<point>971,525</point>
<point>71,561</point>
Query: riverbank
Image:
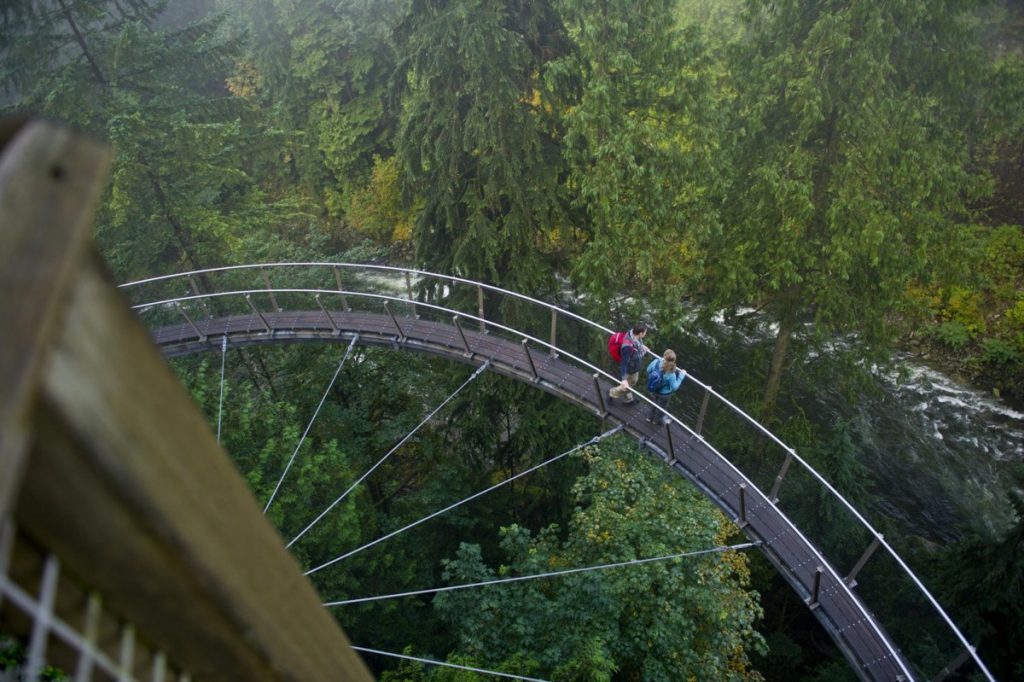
<point>1004,381</point>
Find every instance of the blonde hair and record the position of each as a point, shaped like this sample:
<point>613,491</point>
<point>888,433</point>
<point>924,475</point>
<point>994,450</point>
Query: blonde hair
<point>668,361</point>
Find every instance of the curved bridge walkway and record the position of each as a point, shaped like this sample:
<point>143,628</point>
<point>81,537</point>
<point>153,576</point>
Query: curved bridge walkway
<point>472,339</point>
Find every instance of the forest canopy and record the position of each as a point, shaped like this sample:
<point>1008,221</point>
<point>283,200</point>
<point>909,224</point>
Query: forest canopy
<point>843,171</point>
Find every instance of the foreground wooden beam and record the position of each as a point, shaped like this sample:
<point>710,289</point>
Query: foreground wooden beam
<point>106,463</point>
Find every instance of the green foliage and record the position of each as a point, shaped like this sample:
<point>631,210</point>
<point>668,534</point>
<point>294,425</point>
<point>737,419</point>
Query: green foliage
<point>690,617</point>
<point>850,163</point>
<point>180,195</point>
<point>1000,353</point>
<point>953,334</point>
<point>982,580</point>
<point>637,142</point>
<point>978,323</point>
<point>321,73</point>
<point>376,210</point>
<point>473,138</point>
<point>829,164</point>
<point>13,657</point>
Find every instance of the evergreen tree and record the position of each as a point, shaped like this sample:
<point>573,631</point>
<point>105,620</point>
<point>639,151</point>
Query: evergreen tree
<point>982,580</point>
<point>637,141</point>
<point>851,163</point>
<point>321,72</point>
<point>473,137</point>
<point>180,196</point>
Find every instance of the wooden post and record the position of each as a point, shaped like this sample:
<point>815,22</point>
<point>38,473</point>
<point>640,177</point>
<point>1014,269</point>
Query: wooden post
<point>107,464</point>
<point>50,181</point>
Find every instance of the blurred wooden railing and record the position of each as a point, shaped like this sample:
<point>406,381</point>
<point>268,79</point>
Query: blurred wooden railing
<point>130,548</point>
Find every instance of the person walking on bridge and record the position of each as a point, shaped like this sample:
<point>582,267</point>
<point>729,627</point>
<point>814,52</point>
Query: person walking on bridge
<point>663,379</point>
<point>628,349</point>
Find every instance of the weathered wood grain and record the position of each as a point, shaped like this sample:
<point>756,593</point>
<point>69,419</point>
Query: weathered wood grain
<point>107,463</point>
<point>50,180</point>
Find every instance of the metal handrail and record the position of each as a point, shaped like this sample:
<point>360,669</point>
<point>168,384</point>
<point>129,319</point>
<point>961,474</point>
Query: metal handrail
<point>876,536</point>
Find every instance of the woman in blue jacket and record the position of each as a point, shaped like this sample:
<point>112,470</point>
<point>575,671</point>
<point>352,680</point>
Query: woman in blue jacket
<point>663,379</point>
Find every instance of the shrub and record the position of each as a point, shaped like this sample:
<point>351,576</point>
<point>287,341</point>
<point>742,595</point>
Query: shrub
<point>999,352</point>
<point>952,333</point>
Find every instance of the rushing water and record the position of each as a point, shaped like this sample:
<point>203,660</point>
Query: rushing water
<point>940,453</point>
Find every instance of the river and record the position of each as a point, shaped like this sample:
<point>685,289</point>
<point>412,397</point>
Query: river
<point>941,453</point>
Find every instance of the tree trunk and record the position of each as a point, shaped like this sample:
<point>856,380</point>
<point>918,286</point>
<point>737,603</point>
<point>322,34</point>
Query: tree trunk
<point>80,39</point>
<point>771,390</point>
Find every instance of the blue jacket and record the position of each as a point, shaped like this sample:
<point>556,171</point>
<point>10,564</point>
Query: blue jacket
<point>671,381</point>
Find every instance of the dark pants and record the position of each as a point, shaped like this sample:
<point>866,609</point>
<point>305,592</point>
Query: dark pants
<point>661,400</point>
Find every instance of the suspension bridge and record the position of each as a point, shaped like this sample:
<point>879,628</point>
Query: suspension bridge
<point>86,450</point>
<point>553,349</point>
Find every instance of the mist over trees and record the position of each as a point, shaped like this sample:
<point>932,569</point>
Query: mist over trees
<point>847,170</point>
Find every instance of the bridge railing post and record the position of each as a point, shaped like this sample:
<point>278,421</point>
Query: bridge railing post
<point>671,443</point>
<point>741,520</point>
<point>394,320</point>
<point>953,666</point>
<point>774,496</point>
<point>266,325</point>
<point>462,335</point>
<point>202,336</point>
<point>341,290</point>
<point>480,308</point>
<point>600,396</point>
<point>851,579</point>
<point>529,359</point>
<point>327,314</point>
<point>554,335</point>
<point>703,410</point>
<point>408,292</point>
<point>812,601</point>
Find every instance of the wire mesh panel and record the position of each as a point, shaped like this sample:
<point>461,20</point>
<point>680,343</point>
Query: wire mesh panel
<point>53,627</point>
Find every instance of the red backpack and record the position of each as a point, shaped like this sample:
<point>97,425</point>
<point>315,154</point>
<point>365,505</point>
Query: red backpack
<point>615,342</point>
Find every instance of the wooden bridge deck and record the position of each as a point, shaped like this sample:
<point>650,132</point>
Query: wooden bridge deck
<point>852,626</point>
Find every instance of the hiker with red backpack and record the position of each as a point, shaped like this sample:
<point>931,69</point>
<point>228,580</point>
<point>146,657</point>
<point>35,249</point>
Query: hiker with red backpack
<point>627,349</point>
